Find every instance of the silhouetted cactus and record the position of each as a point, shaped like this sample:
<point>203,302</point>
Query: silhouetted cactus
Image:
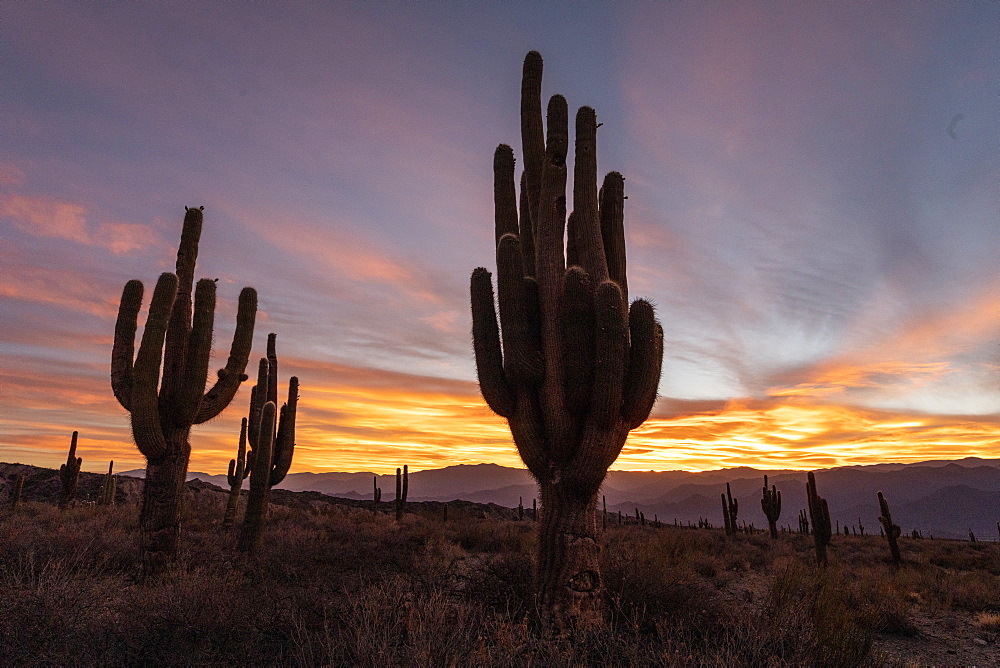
<point>69,475</point>
<point>109,487</point>
<point>861,527</point>
<point>576,368</point>
<point>15,498</point>
<point>520,509</point>
<point>163,410</point>
<point>237,473</point>
<point>377,499</point>
<point>402,488</point>
<point>803,522</point>
<point>890,531</point>
<point>770,503</point>
<point>730,509</point>
<point>819,514</point>
<point>972,536</point>
<point>272,445</point>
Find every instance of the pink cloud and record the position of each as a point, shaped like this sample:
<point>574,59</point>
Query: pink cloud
<point>47,217</point>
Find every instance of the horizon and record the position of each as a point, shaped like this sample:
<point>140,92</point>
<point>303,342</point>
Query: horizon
<point>812,209</point>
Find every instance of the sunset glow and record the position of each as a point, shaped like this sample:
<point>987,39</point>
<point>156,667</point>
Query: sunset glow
<point>812,207</point>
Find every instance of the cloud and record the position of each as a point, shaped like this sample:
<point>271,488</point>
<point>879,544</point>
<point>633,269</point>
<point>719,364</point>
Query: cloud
<point>55,219</point>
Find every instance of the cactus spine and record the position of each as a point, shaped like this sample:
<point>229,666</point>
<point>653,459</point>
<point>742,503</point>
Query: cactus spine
<point>109,487</point>
<point>891,531</point>
<point>576,368</point>
<point>402,487</point>
<point>69,475</point>
<point>163,410</point>
<point>819,514</point>
<point>238,472</point>
<point>770,503</point>
<point>272,445</point>
<point>730,509</point>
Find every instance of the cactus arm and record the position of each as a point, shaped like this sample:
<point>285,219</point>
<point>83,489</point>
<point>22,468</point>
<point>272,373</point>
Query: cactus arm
<point>493,382</point>
<point>521,345</point>
<point>199,351</point>
<point>526,232</point>
<point>230,376</point>
<point>272,370</point>
<point>578,339</point>
<point>146,373</point>
<point>284,443</point>
<point>611,353</point>
<point>505,210</point>
<point>644,365</point>
<point>124,347</point>
<point>532,132</point>
<point>590,245</point>
<point>235,476</point>
<point>612,213</point>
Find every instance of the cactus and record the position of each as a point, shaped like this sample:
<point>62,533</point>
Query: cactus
<point>520,509</point>
<point>604,516</point>
<point>770,503</point>
<point>69,475</point>
<point>861,527</point>
<point>238,472</point>
<point>377,498</point>
<point>272,444</point>
<point>972,536</point>
<point>730,509</point>
<point>819,514</point>
<point>163,411</point>
<point>576,369</point>
<point>109,487</point>
<point>15,498</point>
<point>803,522</point>
<point>891,531</point>
<point>402,486</point>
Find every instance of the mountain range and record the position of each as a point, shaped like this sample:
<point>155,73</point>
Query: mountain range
<point>944,499</point>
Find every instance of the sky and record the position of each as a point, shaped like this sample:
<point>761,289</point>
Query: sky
<point>813,207</point>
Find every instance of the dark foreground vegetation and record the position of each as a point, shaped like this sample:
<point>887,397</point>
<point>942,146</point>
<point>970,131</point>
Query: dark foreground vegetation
<point>334,584</point>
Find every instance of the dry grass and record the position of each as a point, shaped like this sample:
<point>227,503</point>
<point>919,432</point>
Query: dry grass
<point>339,587</point>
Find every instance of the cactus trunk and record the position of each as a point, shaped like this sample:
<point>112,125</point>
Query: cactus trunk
<point>568,566</point>
<point>162,496</point>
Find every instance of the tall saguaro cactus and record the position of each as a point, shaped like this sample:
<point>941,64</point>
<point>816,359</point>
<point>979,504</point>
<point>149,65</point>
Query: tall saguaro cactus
<point>272,444</point>
<point>770,503</point>
<point>164,407</point>
<point>69,474</point>
<point>576,368</point>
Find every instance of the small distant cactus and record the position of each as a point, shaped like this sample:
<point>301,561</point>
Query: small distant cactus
<point>520,508</point>
<point>377,498</point>
<point>972,536</point>
<point>890,531</point>
<point>402,489</point>
<point>861,527</point>
<point>730,509</point>
<point>770,503</point>
<point>69,475</point>
<point>819,514</point>
<point>109,487</point>
<point>803,522</point>
<point>15,499</point>
<point>238,472</point>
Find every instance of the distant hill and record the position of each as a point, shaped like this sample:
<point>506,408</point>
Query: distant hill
<point>941,498</point>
